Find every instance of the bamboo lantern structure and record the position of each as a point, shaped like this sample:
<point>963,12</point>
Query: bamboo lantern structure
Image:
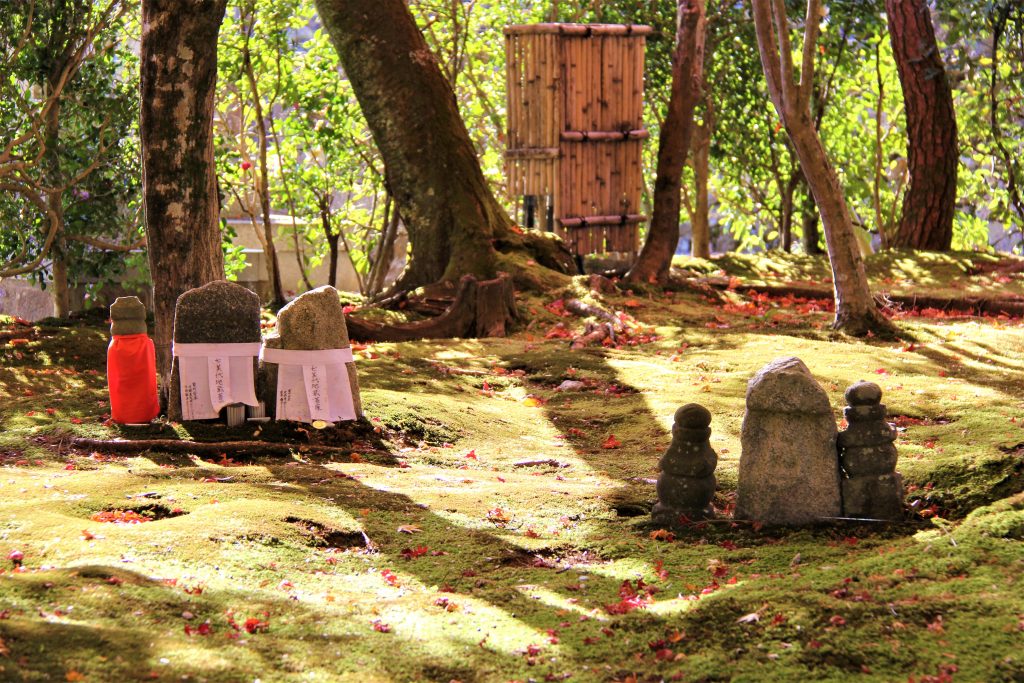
<point>575,132</point>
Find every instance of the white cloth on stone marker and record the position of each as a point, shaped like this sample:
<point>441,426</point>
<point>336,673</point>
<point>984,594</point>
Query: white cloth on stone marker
<point>215,375</point>
<point>312,385</point>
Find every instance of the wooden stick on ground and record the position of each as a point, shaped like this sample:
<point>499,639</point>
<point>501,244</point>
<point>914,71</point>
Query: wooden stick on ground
<point>251,448</point>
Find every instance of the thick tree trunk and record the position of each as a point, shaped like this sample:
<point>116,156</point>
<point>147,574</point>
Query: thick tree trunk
<point>655,259</point>
<point>856,312</point>
<point>932,155</point>
<point>178,57</point>
<point>431,167</point>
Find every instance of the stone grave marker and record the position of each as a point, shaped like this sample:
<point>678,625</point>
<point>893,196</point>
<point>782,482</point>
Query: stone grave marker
<point>789,470</point>
<point>867,457</point>
<point>308,372</point>
<point>687,480</point>
<point>216,343</point>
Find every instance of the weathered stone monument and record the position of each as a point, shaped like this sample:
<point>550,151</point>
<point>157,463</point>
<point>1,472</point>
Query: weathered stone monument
<point>687,480</point>
<point>308,372</point>
<point>789,471</point>
<point>867,457</point>
<point>216,343</point>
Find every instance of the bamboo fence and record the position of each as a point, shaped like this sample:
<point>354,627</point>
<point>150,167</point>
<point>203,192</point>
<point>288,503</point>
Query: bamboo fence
<point>575,130</point>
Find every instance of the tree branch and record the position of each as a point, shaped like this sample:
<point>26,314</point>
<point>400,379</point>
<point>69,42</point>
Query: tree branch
<point>812,27</point>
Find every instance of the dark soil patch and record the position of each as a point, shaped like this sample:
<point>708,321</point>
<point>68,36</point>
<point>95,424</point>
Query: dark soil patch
<point>321,536</point>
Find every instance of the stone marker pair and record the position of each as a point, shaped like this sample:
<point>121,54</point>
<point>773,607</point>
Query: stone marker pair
<point>794,468</point>
<point>307,369</point>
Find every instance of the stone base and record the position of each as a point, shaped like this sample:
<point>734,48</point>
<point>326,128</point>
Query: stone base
<point>666,516</point>
<point>874,497</point>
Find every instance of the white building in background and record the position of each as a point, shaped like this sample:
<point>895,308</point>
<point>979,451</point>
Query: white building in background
<point>25,299</point>
<point>254,275</point>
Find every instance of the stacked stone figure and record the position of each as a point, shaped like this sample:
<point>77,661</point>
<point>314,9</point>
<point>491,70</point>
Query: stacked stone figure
<point>687,481</point>
<point>867,456</point>
<point>217,327</point>
<point>789,473</point>
<point>308,372</point>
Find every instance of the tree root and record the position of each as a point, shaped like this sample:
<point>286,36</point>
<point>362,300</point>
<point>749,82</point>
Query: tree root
<point>481,308</point>
<point>594,333</point>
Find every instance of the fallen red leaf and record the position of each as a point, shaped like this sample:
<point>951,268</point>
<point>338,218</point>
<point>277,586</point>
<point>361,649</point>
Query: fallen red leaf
<point>611,442</point>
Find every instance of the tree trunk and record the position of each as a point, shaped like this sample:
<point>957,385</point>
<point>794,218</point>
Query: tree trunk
<point>786,212</point>
<point>855,309</point>
<point>59,274</point>
<point>856,312</point>
<point>263,186</point>
<point>431,167</point>
<point>178,57</point>
<point>930,200</point>
<point>655,259</point>
<point>385,251</point>
<point>55,200</point>
<point>810,225</point>
<point>701,171</point>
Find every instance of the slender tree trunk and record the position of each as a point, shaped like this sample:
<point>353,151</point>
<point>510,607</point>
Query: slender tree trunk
<point>701,173</point>
<point>178,58</point>
<point>855,309</point>
<point>930,200</point>
<point>856,312</point>
<point>55,208</point>
<point>809,223</point>
<point>332,240</point>
<point>787,210</point>
<point>655,258</point>
<point>452,217</point>
<point>263,186</point>
<point>386,250</point>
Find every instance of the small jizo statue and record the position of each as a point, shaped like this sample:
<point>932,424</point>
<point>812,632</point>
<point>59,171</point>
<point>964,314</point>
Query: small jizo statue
<point>687,481</point>
<point>131,364</point>
<point>867,457</point>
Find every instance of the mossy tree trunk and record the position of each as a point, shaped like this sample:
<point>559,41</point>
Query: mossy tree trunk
<point>178,57</point>
<point>930,201</point>
<point>432,171</point>
<point>856,312</point>
<point>655,258</point>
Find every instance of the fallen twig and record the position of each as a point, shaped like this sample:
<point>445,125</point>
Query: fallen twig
<point>207,447</point>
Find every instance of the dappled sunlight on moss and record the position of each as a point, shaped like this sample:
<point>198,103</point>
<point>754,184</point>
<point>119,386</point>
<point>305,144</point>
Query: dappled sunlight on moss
<point>497,520</point>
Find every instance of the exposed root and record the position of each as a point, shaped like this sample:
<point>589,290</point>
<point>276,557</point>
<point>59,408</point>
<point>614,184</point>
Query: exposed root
<point>481,308</point>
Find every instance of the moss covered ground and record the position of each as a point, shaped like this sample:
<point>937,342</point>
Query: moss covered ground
<point>481,526</point>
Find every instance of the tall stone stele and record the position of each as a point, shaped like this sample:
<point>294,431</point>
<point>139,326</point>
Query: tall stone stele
<point>789,472</point>
<point>687,480</point>
<point>867,457</point>
<point>220,312</point>
<point>314,321</point>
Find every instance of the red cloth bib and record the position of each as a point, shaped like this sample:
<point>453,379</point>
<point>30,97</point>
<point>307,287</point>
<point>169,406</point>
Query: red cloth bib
<point>131,378</point>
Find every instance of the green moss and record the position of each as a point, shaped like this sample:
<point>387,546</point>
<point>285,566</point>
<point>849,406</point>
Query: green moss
<point>494,530</point>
